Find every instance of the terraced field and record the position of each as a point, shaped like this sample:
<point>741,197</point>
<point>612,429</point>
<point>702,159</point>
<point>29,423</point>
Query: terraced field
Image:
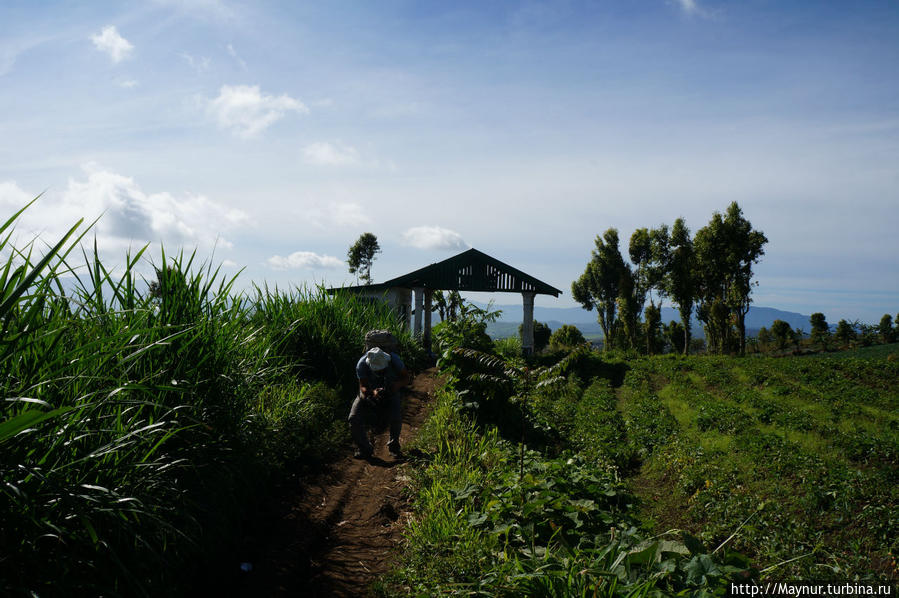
<point>797,457</point>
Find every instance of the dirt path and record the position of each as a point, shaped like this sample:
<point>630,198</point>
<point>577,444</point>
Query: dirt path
<point>336,534</point>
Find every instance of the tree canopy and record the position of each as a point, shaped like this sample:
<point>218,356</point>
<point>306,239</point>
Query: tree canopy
<point>361,256</point>
<point>714,270</point>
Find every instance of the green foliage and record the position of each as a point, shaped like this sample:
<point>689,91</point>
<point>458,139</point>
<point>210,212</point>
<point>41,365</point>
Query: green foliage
<point>652,329</point>
<point>782,333</point>
<point>566,336</point>
<point>542,334</point>
<point>726,249</point>
<point>765,338</point>
<point>845,332</point>
<point>361,255</point>
<point>714,269</point>
<point>508,348</point>
<point>554,527</point>
<point>599,285</point>
<point>817,437</point>
<point>674,332</point>
<point>820,330</point>
<point>447,304</point>
<point>680,278</point>
<point>136,428</point>
<point>887,334</point>
<point>468,330</point>
<point>321,336</point>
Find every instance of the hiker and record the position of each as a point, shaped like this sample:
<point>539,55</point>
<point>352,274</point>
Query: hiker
<point>381,376</point>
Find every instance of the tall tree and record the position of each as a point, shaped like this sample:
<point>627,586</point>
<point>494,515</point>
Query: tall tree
<point>886,328</point>
<point>820,329</point>
<point>652,329</point>
<point>361,256</point>
<point>726,249</point>
<point>680,276</point>
<point>764,339</point>
<point>675,333</point>
<point>845,332</point>
<point>629,303</point>
<point>782,333</point>
<point>747,248</point>
<point>649,251</point>
<point>599,285</point>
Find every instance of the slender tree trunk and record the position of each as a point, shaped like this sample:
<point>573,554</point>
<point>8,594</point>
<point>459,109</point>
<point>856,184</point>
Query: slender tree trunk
<point>686,315</point>
<point>606,336</point>
<point>741,325</point>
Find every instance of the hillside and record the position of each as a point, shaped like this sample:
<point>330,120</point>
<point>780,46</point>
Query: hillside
<point>554,317</point>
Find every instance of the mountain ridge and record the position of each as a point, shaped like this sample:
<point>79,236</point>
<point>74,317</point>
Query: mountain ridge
<point>507,324</point>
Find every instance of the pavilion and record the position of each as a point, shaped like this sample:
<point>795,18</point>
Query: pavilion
<point>471,270</point>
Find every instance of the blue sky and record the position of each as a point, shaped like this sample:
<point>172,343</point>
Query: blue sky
<point>276,133</point>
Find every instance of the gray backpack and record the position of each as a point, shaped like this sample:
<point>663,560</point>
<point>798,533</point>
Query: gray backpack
<point>383,339</point>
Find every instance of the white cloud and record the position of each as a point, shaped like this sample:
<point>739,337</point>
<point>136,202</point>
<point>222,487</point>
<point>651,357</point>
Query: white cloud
<point>109,41</point>
<point>247,112</point>
<point>128,216</point>
<point>434,237</point>
<point>198,63</point>
<point>330,154</point>
<point>342,214</point>
<point>12,198</point>
<point>691,8</point>
<point>348,214</point>
<point>12,48</point>
<point>233,54</point>
<point>129,83</point>
<point>304,259</point>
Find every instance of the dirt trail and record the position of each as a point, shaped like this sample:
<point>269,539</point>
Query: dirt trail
<point>336,533</point>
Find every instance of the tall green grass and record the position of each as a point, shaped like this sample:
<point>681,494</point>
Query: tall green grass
<point>139,420</point>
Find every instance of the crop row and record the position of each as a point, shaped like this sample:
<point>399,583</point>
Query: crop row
<point>805,474</point>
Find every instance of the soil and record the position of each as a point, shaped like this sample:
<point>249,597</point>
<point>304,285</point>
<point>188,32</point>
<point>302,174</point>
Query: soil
<point>335,534</point>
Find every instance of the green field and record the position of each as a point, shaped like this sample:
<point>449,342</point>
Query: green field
<point>660,475</point>
<point>796,456</point>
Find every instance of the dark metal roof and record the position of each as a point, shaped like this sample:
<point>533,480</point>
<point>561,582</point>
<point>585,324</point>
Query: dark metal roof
<point>471,270</point>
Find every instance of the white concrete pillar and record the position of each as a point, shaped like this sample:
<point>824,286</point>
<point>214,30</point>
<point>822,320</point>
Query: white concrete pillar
<point>429,294</point>
<point>405,307</point>
<point>419,297</point>
<point>527,326</point>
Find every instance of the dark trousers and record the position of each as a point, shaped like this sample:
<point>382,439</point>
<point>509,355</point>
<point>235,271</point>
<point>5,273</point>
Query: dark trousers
<point>363,413</point>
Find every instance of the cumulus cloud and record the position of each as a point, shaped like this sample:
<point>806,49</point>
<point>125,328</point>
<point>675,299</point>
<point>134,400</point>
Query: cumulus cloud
<point>12,197</point>
<point>304,259</point>
<point>330,154</point>
<point>247,112</point>
<point>434,237</point>
<point>128,216</point>
<point>109,41</point>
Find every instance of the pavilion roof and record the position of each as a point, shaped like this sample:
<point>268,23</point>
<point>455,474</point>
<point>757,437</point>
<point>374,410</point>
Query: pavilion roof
<point>470,270</point>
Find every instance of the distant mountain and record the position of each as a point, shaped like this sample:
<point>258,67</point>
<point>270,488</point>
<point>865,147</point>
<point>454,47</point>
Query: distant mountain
<point>555,317</point>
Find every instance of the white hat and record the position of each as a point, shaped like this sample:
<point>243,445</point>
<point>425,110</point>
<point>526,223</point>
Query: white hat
<point>377,359</point>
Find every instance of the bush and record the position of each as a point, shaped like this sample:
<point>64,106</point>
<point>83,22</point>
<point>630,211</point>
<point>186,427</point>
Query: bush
<point>542,334</point>
<point>566,337</point>
<point>508,348</point>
